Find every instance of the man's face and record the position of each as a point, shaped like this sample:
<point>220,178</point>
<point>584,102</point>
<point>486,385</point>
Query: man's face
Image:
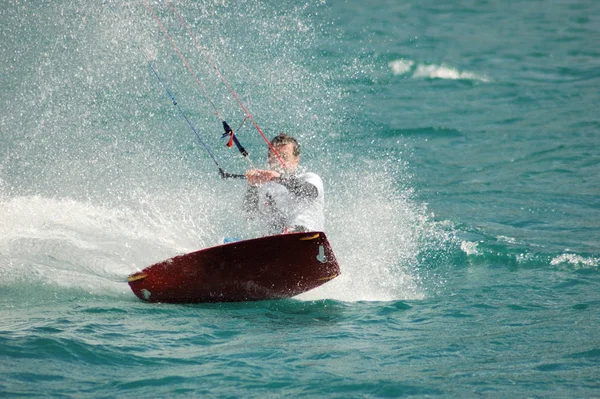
<point>286,153</point>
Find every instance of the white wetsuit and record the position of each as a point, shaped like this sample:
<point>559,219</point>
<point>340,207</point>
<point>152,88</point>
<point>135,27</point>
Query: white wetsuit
<point>292,203</point>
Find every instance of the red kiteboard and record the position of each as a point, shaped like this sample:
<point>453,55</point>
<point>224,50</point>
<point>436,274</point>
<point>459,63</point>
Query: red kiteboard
<point>280,266</point>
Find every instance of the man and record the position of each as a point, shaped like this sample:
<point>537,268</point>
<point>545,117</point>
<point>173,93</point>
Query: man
<point>285,200</point>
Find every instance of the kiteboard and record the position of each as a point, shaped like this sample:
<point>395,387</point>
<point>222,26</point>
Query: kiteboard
<point>280,266</point>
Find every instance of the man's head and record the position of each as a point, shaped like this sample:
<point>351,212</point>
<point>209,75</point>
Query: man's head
<point>288,150</point>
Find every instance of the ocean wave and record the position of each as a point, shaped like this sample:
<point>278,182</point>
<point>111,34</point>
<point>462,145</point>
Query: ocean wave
<point>470,248</point>
<point>574,260</point>
<point>432,71</point>
<point>506,250</point>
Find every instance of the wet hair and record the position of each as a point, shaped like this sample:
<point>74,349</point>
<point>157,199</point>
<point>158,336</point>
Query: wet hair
<point>283,138</point>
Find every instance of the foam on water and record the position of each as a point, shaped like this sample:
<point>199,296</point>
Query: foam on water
<point>432,71</point>
<point>67,243</point>
<point>575,260</point>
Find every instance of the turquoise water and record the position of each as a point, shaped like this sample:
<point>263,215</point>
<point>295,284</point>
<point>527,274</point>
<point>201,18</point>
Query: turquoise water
<point>459,145</point>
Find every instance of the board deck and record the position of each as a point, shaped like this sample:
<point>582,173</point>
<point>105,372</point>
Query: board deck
<point>280,266</point>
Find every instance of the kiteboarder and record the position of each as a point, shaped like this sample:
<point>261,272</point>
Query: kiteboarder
<point>285,199</point>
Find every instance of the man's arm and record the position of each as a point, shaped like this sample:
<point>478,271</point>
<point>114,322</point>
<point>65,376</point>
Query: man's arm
<point>256,178</point>
<point>297,187</point>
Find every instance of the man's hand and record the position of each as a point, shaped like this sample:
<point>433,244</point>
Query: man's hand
<point>257,177</point>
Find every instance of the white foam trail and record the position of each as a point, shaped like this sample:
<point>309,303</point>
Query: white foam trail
<point>432,71</point>
<point>470,248</point>
<point>575,260</point>
<point>73,244</point>
<point>401,67</point>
